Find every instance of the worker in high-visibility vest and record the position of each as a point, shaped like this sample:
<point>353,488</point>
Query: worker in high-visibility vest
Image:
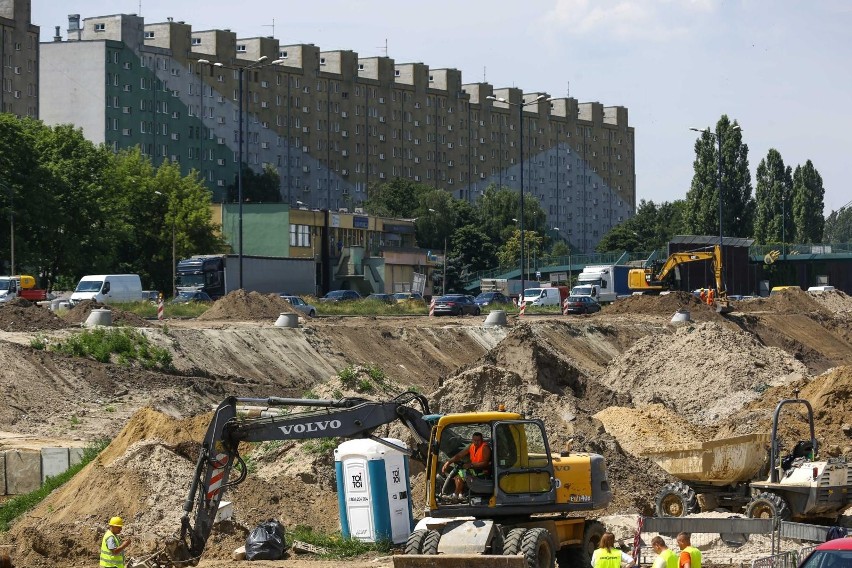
<point>690,557</point>
<point>665,557</point>
<point>710,296</point>
<point>703,296</point>
<point>607,556</point>
<point>112,545</point>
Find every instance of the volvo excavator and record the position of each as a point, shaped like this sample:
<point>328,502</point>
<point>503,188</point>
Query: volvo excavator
<point>661,276</point>
<point>526,510</point>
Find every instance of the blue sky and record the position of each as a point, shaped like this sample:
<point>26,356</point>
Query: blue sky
<point>780,68</point>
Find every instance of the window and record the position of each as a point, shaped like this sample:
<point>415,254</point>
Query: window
<point>196,41</point>
<point>282,55</point>
<point>100,27</point>
<point>241,48</point>
<point>322,60</point>
<point>149,35</point>
<point>300,236</point>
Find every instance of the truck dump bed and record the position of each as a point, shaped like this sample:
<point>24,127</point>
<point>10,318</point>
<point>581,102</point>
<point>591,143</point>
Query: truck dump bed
<point>718,462</point>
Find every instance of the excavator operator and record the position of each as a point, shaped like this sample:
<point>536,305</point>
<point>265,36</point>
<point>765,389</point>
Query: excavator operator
<point>475,460</point>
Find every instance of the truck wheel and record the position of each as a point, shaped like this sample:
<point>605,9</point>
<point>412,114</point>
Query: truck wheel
<point>768,506</point>
<point>538,548</point>
<point>581,556</point>
<point>676,500</point>
<point>414,544</point>
<point>430,542</point>
<point>512,542</point>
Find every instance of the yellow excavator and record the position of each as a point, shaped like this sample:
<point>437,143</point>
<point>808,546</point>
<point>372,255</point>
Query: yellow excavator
<point>526,511</point>
<point>662,275</point>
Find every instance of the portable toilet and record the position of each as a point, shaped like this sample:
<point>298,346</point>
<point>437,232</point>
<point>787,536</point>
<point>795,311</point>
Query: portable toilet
<point>373,491</point>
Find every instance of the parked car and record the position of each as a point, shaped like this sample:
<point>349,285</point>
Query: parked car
<point>409,296</point>
<point>835,553</point>
<point>492,299</point>
<point>300,305</point>
<point>582,305</point>
<point>151,296</point>
<point>341,296</point>
<point>386,298</point>
<point>821,289</point>
<point>188,296</point>
<point>456,305</point>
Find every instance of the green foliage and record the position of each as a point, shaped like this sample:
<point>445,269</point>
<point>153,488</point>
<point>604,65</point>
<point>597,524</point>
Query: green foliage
<point>497,209</point>
<point>335,544</point>
<point>702,200</point>
<point>38,342</point>
<point>651,228</point>
<point>808,204</point>
<point>368,308</point>
<point>773,199</point>
<point>838,226</point>
<point>20,504</point>
<point>473,248</point>
<point>126,345</point>
<point>396,198</point>
<point>510,253</point>
<point>257,188</point>
<point>146,309</point>
<point>348,376</point>
<point>320,446</point>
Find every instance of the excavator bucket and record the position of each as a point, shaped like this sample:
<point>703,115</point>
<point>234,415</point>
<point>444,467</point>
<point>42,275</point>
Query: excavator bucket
<point>723,306</point>
<point>454,560</point>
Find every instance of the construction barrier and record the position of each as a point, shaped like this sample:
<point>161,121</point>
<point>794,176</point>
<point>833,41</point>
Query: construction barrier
<point>565,307</point>
<point>432,308</point>
<point>160,308</point>
<point>523,308</point>
<point>788,559</point>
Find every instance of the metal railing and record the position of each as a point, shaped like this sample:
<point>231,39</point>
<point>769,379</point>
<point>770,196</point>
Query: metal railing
<point>801,250</point>
<point>789,559</point>
<point>551,263</point>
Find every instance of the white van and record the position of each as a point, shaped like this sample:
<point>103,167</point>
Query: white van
<point>108,288</point>
<point>542,296</point>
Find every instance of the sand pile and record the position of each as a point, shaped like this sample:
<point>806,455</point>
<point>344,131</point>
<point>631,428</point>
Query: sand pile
<point>640,429</point>
<point>242,305</point>
<point>834,301</point>
<point>80,313</point>
<point>663,305</point>
<point>830,395</point>
<point>704,372</point>
<point>792,301</point>
<point>22,315</point>
<point>565,417</point>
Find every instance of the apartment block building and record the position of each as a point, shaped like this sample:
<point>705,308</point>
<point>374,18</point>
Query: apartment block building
<point>332,123</point>
<point>19,59</point>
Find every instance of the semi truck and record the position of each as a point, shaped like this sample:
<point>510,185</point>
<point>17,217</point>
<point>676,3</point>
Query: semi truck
<point>21,286</point>
<point>509,288</point>
<point>605,283</point>
<point>219,274</point>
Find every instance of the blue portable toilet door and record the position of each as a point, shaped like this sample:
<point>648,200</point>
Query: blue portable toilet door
<point>357,493</point>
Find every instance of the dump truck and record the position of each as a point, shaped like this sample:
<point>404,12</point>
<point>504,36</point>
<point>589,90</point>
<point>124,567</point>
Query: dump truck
<point>21,286</point>
<point>748,473</point>
<point>220,274</point>
<point>527,509</point>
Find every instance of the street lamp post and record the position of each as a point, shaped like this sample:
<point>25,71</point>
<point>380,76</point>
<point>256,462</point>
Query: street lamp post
<point>521,136</point>
<point>718,136</point>
<point>784,226</point>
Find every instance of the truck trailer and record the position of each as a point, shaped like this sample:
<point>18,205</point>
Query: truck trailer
<point>219,274</point>
<point>605,283</point>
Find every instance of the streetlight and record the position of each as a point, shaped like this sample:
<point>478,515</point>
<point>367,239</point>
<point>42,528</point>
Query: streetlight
<point>444,277</point>
<point>521,136</point>
<point>174,253</point>
<point>718,136</point>
<point>240,73</point>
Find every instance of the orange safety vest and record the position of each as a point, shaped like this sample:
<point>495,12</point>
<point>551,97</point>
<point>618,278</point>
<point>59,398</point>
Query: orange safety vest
<point>477,454</point>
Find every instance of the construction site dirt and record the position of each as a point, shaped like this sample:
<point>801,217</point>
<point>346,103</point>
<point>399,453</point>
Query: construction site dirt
<point>616,383</point>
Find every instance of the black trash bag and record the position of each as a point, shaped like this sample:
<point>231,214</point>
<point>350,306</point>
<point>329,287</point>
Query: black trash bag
<point>266,542</point>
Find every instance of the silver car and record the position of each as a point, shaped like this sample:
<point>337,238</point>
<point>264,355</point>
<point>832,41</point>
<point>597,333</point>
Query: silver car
<point>301,305</point>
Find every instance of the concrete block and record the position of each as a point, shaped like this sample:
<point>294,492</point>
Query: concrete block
<point>53,462</point>
<point>2,473</point>
<point>225,512</point>
<point>23,471</point>
<point>75,456</point>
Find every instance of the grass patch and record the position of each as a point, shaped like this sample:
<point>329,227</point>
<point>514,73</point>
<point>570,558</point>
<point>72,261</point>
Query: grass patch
<point>368,308</point>
<point>125,345</point>
<point>145,309</point>
<point>320,445</point>
<point>38,342</point>
<point>20,504</point>
<point>335,544</point>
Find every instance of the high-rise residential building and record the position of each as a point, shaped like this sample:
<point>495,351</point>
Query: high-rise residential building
<point>18,59</point>
<point>331,123</point>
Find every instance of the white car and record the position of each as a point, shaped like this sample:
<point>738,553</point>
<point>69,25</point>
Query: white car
<point>820,288</point>
<point>301,305</point>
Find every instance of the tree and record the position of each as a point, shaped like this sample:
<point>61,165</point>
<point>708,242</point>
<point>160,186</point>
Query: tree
<point>396,198</point>
<point>702,199</point>
<point>498,211</point>
<point>773,194</point>
<point>808,204</point>
<point>651,228</point>
<point>509,254</point>
<point>838,226</point>
<point>472,247</point>
<point>264,187</point>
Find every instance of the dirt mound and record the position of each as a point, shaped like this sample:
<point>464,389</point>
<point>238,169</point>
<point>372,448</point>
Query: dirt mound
<point>80,313</point>
<point>22,315</point>
<point>830,395</point>
<point>663,305</point>
<point>565,418</point>
<point>792,301</point>
<point>652,426</point>
<point>704,371</point>
<point>834,301</point>
<point>242,305</point>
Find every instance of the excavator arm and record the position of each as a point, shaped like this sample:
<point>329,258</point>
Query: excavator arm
<point>678,258</point>
<point>344,418</point>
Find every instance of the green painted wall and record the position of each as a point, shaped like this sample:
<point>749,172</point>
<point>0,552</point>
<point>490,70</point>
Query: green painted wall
<point>266,228</point>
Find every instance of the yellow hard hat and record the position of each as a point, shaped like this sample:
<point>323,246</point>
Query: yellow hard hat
<point>116,522</point>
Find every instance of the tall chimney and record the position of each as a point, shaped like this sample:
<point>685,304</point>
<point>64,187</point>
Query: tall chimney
<point>74,30</point>
<point>57,37</point>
